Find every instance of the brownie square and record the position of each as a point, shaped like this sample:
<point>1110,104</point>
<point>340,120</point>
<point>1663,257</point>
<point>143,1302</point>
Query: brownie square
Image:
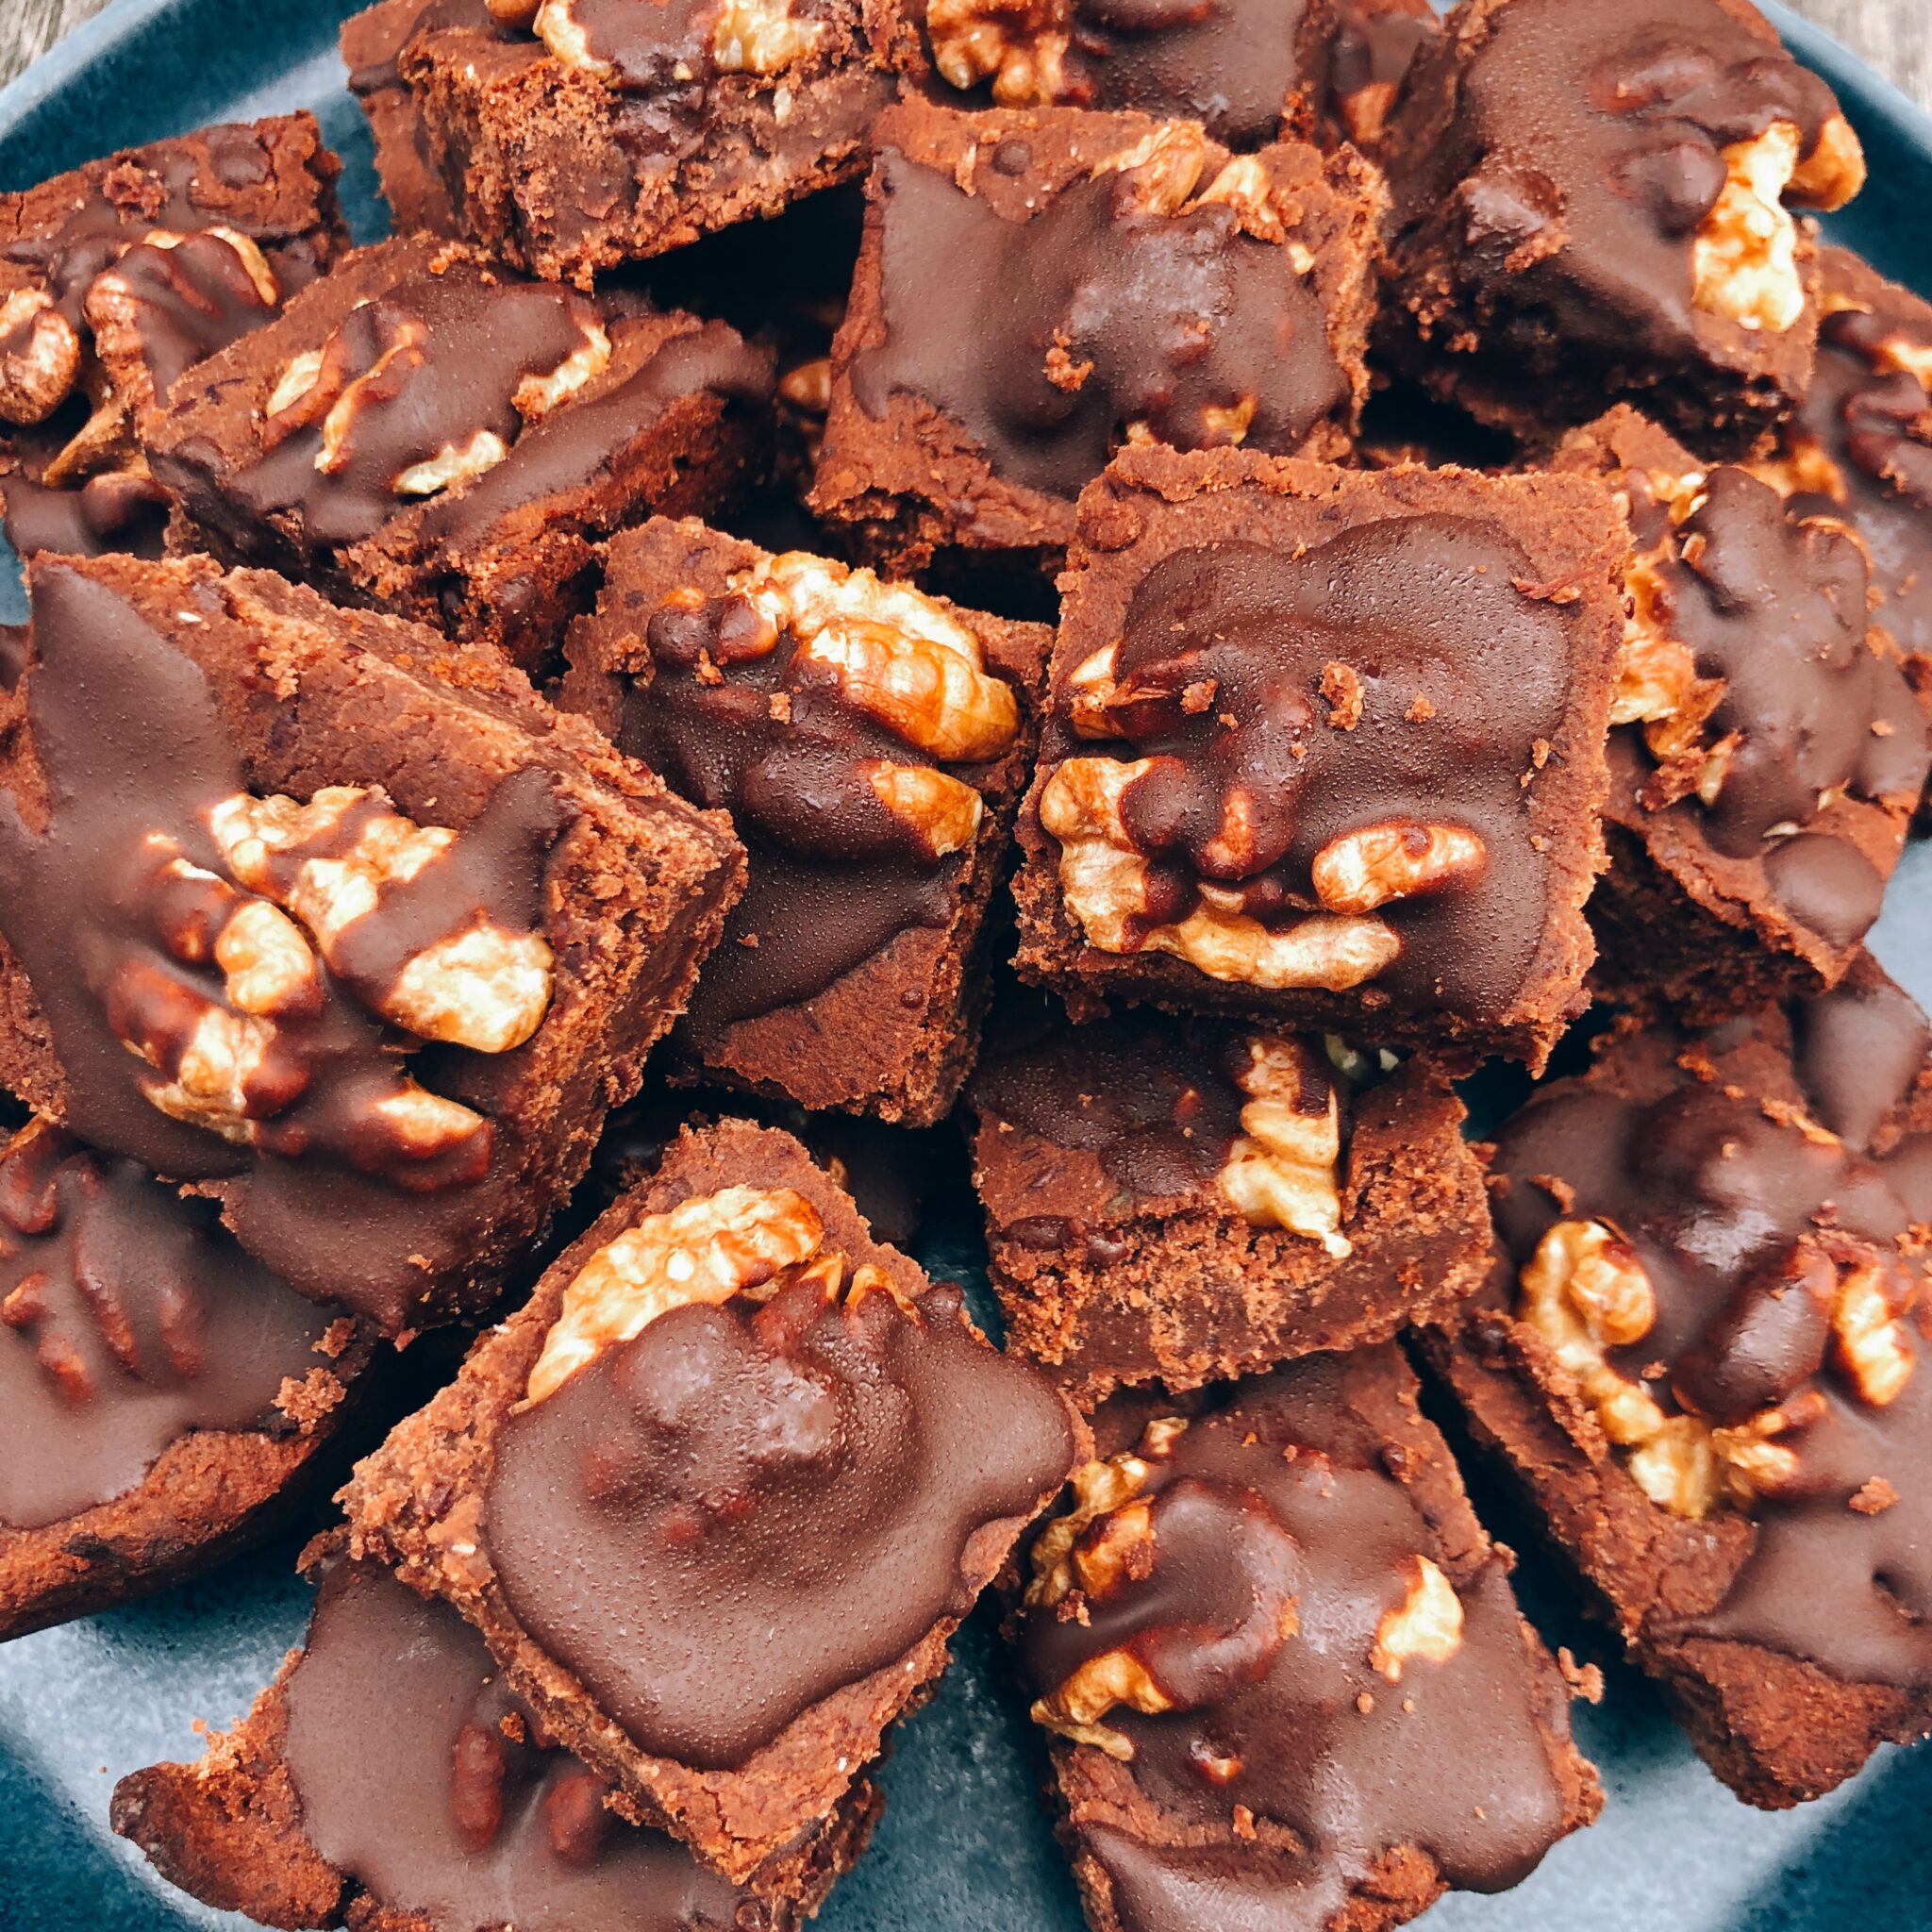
<point>332,920</point>
<point>1036,288</point>
<point>165,1399</point>
<point>117,278</point>
<point>1183,1200</point>
<point>372,44</point>
<point>1703,1358</point>
<point>718,1497</point>
<point>1768,751</point>
<point>1250,71</point>
<point>431,434</point>
<point>390,1780</point>
<point>871,744</point>
<point>1285,1674</point>
<point>1592,205</point>
<point>585,133</point>
<point>1324,748</point>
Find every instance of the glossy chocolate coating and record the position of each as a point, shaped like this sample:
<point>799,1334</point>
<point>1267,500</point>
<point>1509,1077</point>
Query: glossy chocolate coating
<point>184,303</point>
<point>110,513</point>
<point>1278,1500</point>
<point>665,46</point>
<point>1715,1196</point>
<point>127,1319</point>
<point>425,1779</point>
<point>1176,314</point>
<point>745,1510</point>
<point>131,742</point>
<point>1432,608</point>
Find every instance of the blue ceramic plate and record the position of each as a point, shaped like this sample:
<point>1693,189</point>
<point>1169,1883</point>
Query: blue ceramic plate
<point>965,1846</point>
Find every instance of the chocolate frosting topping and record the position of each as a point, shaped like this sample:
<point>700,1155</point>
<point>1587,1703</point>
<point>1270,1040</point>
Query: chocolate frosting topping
<point>1173,318</point>
<point>127,1319</point>
<point>428,1782</point>
<point>747,1510</point>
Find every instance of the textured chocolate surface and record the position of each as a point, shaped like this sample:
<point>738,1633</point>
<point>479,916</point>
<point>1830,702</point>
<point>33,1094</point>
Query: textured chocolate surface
<point>116,942</point>
<point>109,513</point>
<point>792,1484</point>
<point>1175,320</point>
<point>465,1812</point>
<point>1742,1218</point>
<point>1377,43</point>
<point>127,1318</point>
<point>1276,1544</point>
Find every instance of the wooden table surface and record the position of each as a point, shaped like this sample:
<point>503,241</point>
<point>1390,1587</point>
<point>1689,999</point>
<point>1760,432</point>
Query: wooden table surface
<point>1895,35</point>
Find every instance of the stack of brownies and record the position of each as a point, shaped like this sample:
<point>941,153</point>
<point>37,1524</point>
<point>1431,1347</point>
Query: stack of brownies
<point>549,744</point>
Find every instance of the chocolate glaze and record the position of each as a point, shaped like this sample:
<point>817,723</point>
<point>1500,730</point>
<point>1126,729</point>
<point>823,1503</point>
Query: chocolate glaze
<point>1280,1499</point>
<point>1859,1049</point>
<point>1244,1889</point>
<point>1737,1220</point>
<point>745,1510</point>
<point>1375,45</point>
<point>666,46</point>
<point>425,1779</point>
<point>115,512</point>
<point>129,739</point>
<point>834,876</point>
<point>14,639</point>
<point>1417,606</point>
<point>184,303</point>
<point>1584,151</point>
<point>1177,314</point>
<point>378,68</point>
<point>127,1319</point>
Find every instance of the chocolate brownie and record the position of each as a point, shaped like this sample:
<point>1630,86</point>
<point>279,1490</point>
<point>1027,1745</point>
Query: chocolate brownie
<point>718,1497</point>
<point>1249,69</point>
<point>389,1780</point>
<point>1769,750</point>
<point>162,1395</point>
<point>431,434</point>
<point>1704,1355</point>
<point>117,278</point>
<point>1376,48</point>
<point>1592,205</point>
<point>334,920</point>
<point>583,133</point>
<point>1286,1676</point>
<point>1324,748</point>
<point>870,745</point>
<point>1037,287</point>
<point>1180,1200</point>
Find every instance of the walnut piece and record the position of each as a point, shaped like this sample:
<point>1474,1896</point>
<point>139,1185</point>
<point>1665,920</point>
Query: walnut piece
<point>740,1242</point>
<point>1019,46</point>
<point>762,35</point>
<point>1104,886</point>
<point>946,811</point>
<point>1163,171</point>
<point>1869,1328</point>
<point>1365,869</point>
<point>40,357</point>
<point>537,395</point>
<point>1282,1172</point>
<point>1429,1626</point>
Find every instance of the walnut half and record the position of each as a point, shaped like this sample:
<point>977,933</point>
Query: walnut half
<point>1282,1172</point>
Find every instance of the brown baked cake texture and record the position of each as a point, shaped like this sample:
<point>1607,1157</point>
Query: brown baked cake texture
<point>580,134</point>
<point>1769,751</point>
<point>1704,1355</point>
<point>1036,286</point>
<point>870,745</point>
<point>390,1780</point>
<point>728,1426</point>
<point>1183,1201</point>
<point>1285,1674</point>
<point>1592,204</point>
<point>432,435</point>
<point>163,1398</point>
<point>116,279</point>
<point>331,919</point>
<point>372,44</point>
<point>1324,748</point>
<point>1250,71</point>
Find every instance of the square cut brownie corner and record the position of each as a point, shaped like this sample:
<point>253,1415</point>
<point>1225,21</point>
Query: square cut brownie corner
<point>724,1629</point>
<point>434,434</point>
<point>1704,1357</point>
<point>1223,1755</point>
<point>371,937</point>
<point>117,278</point>
<point>871,744</point>
<point>1767,750</point>
<point>1181,296</point>
<point>372,44</point>
<point>165,1400</point>
<point>1183,1201</point>
<point>582,134</point>
<point>1594,203</point>
<point>467,1812</point>
<point>1324,748</point>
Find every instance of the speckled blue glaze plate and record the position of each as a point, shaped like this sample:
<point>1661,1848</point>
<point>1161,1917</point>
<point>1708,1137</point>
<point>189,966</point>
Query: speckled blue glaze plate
<point>966,1845</point>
